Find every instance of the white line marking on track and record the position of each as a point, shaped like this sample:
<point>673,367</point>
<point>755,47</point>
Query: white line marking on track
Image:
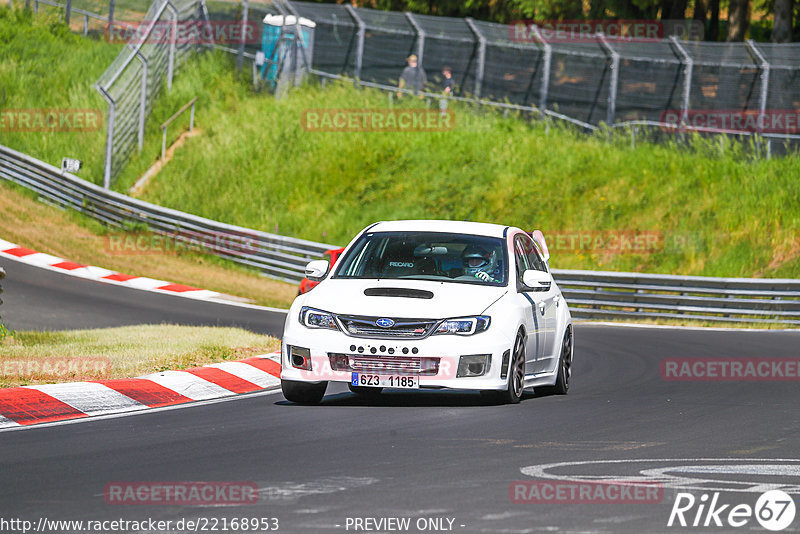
<point>188,385</point>
<point>81,420</point>
<point>6,422</point>
<point>247,372</point>
<point>89,397</point>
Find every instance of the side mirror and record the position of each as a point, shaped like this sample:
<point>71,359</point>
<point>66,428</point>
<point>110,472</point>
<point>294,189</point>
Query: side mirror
<point>537,280</point>
<point>317,270</point>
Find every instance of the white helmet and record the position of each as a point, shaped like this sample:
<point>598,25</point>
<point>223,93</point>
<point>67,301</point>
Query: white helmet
<point>477,259</point>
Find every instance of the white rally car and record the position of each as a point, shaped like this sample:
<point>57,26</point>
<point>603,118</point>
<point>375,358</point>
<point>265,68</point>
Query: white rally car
<point>430,304</point>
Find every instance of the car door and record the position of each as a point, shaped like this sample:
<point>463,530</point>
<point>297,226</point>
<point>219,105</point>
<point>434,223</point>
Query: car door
<point>547,304</point>
<point>533,316</point>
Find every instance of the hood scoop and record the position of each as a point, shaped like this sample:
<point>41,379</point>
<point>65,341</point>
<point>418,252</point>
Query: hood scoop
<point>398,292</point>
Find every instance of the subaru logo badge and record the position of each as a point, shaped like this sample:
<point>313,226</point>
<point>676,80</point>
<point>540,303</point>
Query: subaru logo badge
<point>384,322</point>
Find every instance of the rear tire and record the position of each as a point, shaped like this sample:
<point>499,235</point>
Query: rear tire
<point>303,392</point>
<point>516,373</point>
<point>364,391</point>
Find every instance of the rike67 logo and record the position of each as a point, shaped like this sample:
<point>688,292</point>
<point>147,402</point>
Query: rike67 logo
<point>774,510</point>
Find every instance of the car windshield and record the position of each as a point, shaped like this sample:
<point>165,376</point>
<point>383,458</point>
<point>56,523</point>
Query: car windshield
<point>427,256</point>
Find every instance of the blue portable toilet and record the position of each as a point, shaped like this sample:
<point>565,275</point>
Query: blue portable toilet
<point>280,44</point>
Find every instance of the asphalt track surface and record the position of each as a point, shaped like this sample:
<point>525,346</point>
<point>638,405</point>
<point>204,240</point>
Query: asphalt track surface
<point>40,299</point>
<point>424,455</point>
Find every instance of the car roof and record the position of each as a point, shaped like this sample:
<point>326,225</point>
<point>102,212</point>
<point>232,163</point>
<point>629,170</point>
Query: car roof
<point>458,227</point>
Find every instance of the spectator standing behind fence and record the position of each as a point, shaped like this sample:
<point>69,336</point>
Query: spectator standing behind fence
<point>413,76</point>
<point>448,88</point>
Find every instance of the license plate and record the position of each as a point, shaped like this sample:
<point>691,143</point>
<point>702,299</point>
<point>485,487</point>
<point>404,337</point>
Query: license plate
<point>384,381</point>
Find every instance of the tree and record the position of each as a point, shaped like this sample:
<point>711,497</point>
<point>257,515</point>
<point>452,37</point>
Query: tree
<point>713,23</point>
<point>782,27</point>
<point>738,19</point>
<point>673,9</point>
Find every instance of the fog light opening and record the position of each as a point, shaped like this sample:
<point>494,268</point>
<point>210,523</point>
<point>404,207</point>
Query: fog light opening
<point>300,358</point>
<point>473,365</point>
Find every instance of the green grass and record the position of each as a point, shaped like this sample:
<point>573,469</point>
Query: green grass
<point>714,209</point>
<point>121,352</point>
<point>45,66</point>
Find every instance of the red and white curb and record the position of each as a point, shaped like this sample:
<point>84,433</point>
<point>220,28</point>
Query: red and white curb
<point>30,405</point>
<point>54,263</point>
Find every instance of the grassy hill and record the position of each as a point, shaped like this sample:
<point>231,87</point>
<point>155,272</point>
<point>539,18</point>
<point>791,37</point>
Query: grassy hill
<point>709,210</point>
<point>43,66</point>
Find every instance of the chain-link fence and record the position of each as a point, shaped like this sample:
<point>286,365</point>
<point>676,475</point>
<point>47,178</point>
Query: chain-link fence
<point>669,84</point>
<point>656,88</point>
<point>90,17</point>
<point>153,51</point>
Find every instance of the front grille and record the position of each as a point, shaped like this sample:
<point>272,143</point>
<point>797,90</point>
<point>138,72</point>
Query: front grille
<point>406,365</point>
<point>402,329</point>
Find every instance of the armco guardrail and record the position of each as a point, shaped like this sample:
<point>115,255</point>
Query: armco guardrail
<point>590,294</point>
<point>278,256</point>
<point>597,294</point>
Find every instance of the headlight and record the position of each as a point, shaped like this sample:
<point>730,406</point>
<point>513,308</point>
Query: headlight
<point>317,319</point>
<point>464,326</point>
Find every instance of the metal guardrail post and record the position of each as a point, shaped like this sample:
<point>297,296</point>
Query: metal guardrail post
<point>204,8</point>
<point>362,31</point>
<point>764,67</point>
<point>688,68</point>
<point>109,136</point>
<point>173,37</point>
<point>111,5</point>
<point>67,12</point>
<point>480,68</point>
<point>614,81</point>
<point>166,124</point>
<point>142,98</point>
<point>548,58</point>
<point>305,47</point>
<point>240,55</point>
<point>420,36</point>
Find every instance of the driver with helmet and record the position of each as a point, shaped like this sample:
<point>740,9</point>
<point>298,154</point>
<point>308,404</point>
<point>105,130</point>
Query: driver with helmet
<point>480,263</point>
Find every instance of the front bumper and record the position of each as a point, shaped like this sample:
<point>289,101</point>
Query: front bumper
<point>435,359</point>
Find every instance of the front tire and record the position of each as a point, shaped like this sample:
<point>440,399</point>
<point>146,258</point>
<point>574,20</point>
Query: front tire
<point>561,385</point>
<point>303,392</point>
<point>516,373</point>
